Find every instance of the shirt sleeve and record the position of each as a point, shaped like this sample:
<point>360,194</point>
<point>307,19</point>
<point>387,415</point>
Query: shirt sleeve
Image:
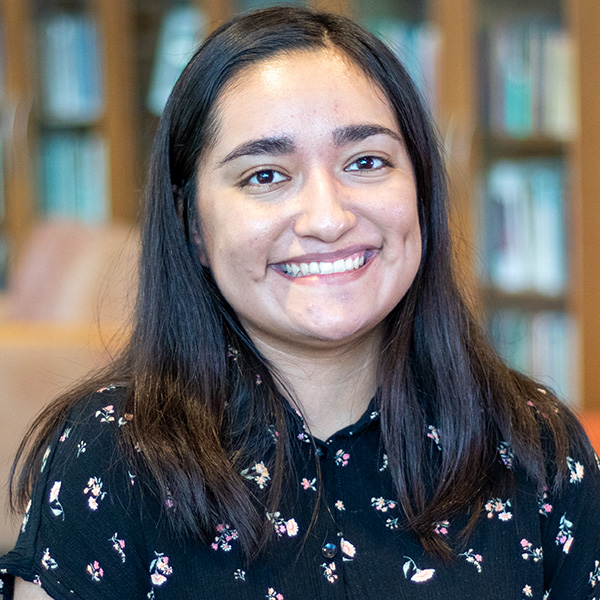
<point>571,535</point>
<point>82,535</point>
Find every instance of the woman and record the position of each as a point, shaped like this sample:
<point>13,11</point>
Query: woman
<point>306,408</point>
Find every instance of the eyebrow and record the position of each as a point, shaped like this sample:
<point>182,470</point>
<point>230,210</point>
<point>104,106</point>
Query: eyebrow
<point>280,145</point>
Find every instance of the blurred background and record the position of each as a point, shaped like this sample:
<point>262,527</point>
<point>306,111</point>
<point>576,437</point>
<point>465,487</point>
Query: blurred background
<point>514,86</point>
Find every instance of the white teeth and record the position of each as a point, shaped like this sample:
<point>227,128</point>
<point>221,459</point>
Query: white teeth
<point>339,266</point>
<point>326,268</point>
<point>323,268</point>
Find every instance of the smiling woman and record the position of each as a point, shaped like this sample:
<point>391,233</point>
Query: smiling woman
<point>306,408</point>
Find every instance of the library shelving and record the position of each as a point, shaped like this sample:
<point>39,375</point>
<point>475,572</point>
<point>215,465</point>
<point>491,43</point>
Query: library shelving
<point>489,69</point>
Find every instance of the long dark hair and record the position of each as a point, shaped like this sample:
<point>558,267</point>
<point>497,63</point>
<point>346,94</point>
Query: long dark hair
<point>198,415</point>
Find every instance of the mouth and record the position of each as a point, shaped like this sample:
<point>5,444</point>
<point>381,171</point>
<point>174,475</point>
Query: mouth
<point>352,262</point>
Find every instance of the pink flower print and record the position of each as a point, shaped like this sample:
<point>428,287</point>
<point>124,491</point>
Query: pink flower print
<point>160,569</point>
<point>291,527</point>
<point>258,473</point>
<point>106,389</point>
<point>281,526</point>
<point>258,379</point>
<point>106,413</point>
<point>474,559</point>
<point>418,575</point>
<point>382,505</point>
<point>47,561</point>
<point>545,508</point>
<point>273,595</point>
<point>55,505</point>
<point>226,534</point>
<point>435,436</point>
<point>65,435</point>
<point>496,506</point>
<point>441,527</point>
<point>527,591</point>
<point>564,537</point>
<point>529,551</point>
<point>118,546</point>
<point>94,492</point>
<point>309,485</point>
<point>348,549</point>
<point>340,505</point>
<point>341,458</point>
<point>95,571</point>
<point>576,470</point>
<point>329,572</point>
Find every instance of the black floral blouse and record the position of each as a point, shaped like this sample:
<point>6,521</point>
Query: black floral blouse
<point>88,532</point>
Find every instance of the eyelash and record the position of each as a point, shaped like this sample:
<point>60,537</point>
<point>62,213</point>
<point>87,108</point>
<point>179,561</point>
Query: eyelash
<point>247,181</point>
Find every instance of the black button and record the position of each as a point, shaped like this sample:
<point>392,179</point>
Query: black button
<point>329,550</point>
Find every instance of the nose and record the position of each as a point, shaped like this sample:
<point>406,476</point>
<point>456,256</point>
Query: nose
<point>323,211</point>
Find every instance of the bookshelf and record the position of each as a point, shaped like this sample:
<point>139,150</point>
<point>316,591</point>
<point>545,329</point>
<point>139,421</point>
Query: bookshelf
<point>460,44</point>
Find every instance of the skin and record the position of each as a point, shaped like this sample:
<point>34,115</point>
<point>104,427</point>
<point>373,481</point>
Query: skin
<point>309,166</point>
<point>323,198</point>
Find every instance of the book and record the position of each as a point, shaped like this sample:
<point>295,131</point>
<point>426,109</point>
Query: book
<point>524,234</point>
<point>531,88</point>
<point>71,68</point>
<point>180,34</point>
<point>540,344</point>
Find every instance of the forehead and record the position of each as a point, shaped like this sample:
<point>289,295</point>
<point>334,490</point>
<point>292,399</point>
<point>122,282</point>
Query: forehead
<point>303,92</point>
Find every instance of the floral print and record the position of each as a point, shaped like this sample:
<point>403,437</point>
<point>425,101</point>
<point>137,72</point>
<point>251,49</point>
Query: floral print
<point>474,559</point>
<point>506,454</point>
<point>564,537</point>
<point>595,574</point>
<point>417,575</point>
<point>435,436</point>
<point>118,546</point>
<point>225,535</point>
<point>545,508</point>
<point>329,572</point>
<point>341,458</point>
<point>55,505</point>
<point>47,561</point>
<point>160,569</point>
<point>95,571</point>
<point>258,473</point>
<point>495,506</point>
<point>519,531</point>
<point>576,470</point>
<point>94,492</point>
<point>528,551</point>
<point>281,526</point>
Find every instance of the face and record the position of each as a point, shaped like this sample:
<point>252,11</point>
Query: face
<point>307,203</point>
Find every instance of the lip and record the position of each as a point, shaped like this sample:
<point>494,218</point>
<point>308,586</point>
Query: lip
<point>330,256</point>
<point>368,253</point>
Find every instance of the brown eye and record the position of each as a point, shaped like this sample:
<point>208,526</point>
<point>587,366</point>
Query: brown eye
<point>368,163</point>
<point>265,177</point>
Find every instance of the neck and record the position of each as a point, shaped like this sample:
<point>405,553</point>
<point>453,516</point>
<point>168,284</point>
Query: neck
<point>332,387</point>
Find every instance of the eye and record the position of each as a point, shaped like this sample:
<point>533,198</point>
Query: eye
<point>264,177</point>
<point>368,163</point>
